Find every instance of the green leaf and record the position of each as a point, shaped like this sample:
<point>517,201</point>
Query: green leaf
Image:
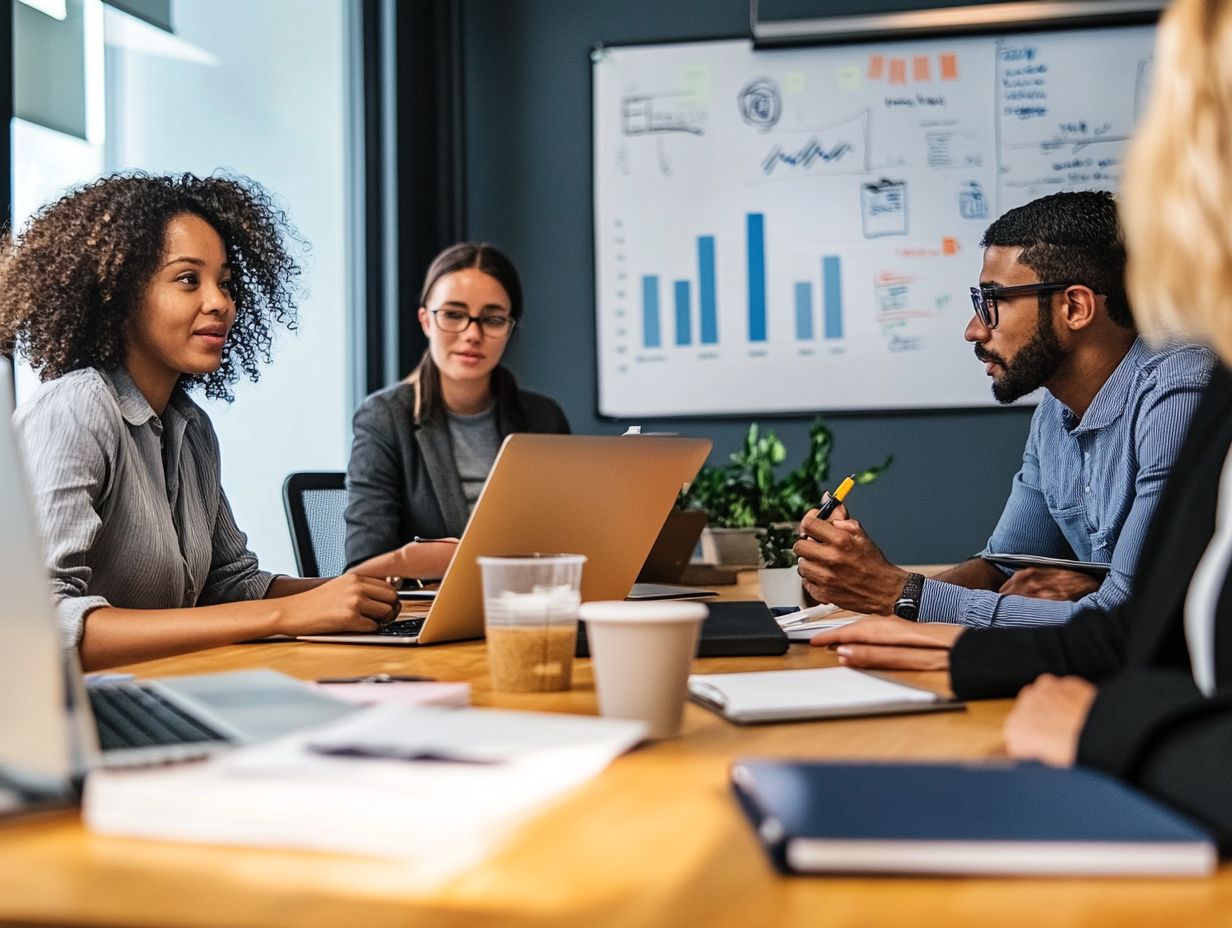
<point>746,492</point>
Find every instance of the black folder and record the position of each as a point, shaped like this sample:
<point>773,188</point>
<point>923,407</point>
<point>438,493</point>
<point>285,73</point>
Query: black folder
<point>733,629</point>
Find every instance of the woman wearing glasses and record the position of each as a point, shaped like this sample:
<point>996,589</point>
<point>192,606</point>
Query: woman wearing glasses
<point>423,448</point>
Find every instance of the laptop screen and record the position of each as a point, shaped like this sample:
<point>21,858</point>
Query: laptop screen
<point>34,724</point>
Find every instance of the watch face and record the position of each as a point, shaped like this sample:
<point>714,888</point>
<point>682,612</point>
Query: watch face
<point>906,609</point>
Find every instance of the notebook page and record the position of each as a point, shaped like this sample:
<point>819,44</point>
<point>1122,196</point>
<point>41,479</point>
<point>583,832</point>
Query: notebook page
<point>788,690</point>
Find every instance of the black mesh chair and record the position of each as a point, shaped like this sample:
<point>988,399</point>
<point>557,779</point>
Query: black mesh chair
<point>315,503</point>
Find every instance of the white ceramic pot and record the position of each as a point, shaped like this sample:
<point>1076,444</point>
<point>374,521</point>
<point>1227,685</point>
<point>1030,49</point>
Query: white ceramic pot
<point>781,586</point>
<point>730,547</point>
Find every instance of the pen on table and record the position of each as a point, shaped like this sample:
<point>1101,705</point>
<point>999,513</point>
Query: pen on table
<point>379,678</point>
<point>829,504</point>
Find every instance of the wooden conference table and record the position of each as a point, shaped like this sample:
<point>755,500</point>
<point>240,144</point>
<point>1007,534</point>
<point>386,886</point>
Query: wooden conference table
<point>654,840</point>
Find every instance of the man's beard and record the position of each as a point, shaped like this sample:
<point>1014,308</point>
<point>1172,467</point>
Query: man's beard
<point>1035,362</point>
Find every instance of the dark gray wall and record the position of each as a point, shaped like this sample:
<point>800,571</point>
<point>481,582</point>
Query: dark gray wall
<point>527,109</point>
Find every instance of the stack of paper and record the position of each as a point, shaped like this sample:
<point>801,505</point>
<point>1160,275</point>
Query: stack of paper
<point>803,624</point>
<point>438,787</point>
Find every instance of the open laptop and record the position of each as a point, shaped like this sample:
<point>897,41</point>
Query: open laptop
<point>53,727</point>
<point>604,497</point>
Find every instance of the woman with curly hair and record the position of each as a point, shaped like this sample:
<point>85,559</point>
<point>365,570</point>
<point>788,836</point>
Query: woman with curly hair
<point>126,295</point>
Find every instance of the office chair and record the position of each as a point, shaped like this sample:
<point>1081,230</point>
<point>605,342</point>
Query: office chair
<point>315,503</point>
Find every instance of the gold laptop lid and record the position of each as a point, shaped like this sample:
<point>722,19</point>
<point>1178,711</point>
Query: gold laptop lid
<point>604,497</point>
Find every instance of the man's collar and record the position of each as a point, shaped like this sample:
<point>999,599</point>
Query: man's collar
<point>1109,403</point>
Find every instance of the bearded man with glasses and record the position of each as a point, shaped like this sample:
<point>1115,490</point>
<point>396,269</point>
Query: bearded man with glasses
<point>1050,312</point>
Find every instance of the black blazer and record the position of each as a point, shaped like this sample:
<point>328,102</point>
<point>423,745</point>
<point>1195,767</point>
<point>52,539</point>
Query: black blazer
<point>1149,724</point>
<point>402,480</point>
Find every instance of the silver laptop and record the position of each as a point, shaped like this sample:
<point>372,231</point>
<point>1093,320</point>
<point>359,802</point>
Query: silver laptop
<point>53,728</point>
<point>604,497</point>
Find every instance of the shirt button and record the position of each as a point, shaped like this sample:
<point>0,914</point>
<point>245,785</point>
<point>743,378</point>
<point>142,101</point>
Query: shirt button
<point>1086,490</point>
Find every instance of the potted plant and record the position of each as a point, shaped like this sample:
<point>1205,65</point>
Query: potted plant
<point>746,496</point>
<point>780,581</point>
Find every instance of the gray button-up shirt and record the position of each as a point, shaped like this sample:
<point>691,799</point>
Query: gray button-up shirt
<point>130,506</point>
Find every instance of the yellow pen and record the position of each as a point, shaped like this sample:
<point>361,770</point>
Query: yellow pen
<point>840,494</point>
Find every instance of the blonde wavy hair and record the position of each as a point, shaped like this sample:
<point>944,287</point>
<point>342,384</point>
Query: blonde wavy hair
<point>1178,183</point>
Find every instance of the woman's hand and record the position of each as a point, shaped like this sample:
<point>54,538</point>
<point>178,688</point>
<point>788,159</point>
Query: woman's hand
<point>427,559</point>
<point>349,603</point>
<point>891,643</point>
<point>1047,719</point>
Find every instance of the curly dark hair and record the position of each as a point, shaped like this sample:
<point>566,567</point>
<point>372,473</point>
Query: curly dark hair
<point>1071,236</point>
<point>73,278</point>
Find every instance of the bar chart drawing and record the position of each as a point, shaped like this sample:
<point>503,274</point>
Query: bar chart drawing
<point>650,311</point>
<point>684,323</point>
<point>759,311</point>
<point>804,311</point>
<point>755,234</point>
<point>831,274</point>
<point>819,260</point>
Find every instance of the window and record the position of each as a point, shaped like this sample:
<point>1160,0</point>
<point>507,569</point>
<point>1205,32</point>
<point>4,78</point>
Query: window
<point>260,89</point>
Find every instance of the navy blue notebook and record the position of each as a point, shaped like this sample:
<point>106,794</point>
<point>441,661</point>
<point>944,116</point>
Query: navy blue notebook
<point>1011,818</point>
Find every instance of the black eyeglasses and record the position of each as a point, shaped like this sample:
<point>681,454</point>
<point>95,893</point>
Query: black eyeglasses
<point>454,320</point>
<point>985,299</point>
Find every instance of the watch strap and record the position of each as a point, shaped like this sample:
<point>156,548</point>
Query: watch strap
<point>908,603</point>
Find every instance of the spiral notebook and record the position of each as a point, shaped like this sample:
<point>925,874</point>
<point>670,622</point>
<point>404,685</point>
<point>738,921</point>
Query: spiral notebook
<point>796,695</point>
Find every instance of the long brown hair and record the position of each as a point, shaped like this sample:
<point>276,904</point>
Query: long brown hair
<point>496,264</point>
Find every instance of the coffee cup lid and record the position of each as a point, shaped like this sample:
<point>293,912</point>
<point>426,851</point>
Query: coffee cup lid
<point>648,612</point>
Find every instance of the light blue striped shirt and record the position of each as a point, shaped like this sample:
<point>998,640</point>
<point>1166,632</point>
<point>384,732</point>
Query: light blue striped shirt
<point>130,506</point>
<point>1087,487</point>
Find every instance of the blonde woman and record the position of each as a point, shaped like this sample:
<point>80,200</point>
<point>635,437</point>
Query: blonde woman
<point>1145,691</point>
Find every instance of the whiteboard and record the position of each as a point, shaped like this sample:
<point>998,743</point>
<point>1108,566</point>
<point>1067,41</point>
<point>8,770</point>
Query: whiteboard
<point>797,230</point>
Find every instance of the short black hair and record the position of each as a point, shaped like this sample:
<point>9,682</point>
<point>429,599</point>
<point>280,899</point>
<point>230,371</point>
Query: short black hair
<point>1074,237</point>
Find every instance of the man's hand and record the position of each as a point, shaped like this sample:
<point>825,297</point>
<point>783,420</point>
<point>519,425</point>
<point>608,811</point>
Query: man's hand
<point>890,643</point>
<point>1050,583</point>
<point>840,564</point>
<point>1047,719</point>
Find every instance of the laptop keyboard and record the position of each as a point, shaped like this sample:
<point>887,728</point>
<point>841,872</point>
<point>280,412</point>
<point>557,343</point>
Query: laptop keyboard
<point>131,716</point>
<point>404,628</point>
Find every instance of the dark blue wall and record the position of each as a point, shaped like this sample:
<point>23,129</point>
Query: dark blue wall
<point>526,73</point>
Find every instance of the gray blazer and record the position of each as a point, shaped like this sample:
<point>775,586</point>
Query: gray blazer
<point>402,480</point>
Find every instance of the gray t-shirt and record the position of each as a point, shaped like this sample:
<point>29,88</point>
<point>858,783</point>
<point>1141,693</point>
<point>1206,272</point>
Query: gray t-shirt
<point>475,443</point>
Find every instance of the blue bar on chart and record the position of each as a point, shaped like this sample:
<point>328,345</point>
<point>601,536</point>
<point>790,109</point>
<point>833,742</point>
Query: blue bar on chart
<point>804,311</point>
<point>684,327</point>
<point>650,311</point>
<point>832,282</point>
<point>755,235</point>
<point>706,290</point>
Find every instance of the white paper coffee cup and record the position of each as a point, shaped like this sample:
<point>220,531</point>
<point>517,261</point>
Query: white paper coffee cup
<point>641,653</point>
